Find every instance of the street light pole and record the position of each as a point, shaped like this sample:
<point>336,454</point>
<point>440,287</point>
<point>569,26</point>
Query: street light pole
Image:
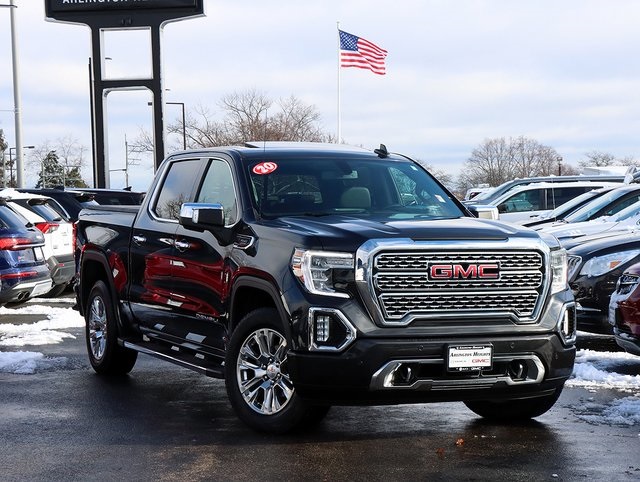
<point>559,159</point>
<point>16,93</point>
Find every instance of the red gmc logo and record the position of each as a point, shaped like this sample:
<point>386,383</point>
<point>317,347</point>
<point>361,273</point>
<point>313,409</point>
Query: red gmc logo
<point>464,271</point>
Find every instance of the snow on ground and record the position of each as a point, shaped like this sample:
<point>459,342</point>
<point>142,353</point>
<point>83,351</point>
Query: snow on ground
<point>593,370</point>
<point>44,332</point>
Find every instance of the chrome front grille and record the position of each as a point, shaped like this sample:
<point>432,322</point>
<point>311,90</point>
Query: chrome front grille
<point>403,284</point>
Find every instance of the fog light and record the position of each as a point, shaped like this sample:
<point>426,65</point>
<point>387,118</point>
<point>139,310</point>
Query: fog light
<point>323,322</point>
<point>329,330</point>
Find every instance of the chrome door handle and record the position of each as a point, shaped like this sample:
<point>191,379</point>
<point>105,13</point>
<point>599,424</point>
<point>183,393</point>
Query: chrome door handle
<point>138,239</point>
<point>182,246</point>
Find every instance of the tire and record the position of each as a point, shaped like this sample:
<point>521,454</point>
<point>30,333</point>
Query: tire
<point>101,329</point>
<point>514,410</point>
<point>257,378</point>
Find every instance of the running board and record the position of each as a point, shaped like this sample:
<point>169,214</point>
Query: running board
<point>185,358</point>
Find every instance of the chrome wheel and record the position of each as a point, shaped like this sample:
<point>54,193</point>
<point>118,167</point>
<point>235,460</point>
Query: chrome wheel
<point>262,374</point>
<point>97,324</point>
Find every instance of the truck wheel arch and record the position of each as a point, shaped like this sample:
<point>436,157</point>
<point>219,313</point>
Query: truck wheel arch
<point>262,294</point>
<point>95,267</point>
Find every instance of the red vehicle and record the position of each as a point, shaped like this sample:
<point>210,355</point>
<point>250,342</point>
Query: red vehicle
<point>624,310</point>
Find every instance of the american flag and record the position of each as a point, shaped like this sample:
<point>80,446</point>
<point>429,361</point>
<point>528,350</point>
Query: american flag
<point>358,52</point>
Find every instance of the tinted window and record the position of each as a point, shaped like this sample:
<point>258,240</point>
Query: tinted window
<point>177,188</point>
<point>10,219</point>
<point>218,188</point>
<point>560,195</point>
<point>40,208</point>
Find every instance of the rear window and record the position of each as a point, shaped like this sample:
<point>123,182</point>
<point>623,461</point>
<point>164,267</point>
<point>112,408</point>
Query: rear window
<point>43,210</point>
<point>10,219</point>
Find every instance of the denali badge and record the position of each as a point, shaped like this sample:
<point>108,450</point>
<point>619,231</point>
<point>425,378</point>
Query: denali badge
<point>464,271</point>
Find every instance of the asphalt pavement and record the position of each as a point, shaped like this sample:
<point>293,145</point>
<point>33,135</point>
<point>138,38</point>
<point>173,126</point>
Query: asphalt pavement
<point>167,423</point>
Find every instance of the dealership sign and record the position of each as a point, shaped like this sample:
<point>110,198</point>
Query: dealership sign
<point>108,13</point>
<point>92,5</point>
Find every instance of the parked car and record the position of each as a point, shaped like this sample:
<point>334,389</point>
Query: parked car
<point>489,196</point>
<point>566,209</point>
<point>45,214</point>
<point>594,267</point>
<point>624,310</point>
<point>624,221</point>
<point>72,201</point>
<point>609,204</point>
<point>523,202</point>
<point>23,268</point>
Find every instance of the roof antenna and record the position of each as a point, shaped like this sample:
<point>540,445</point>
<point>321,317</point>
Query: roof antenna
<point>382,151</point>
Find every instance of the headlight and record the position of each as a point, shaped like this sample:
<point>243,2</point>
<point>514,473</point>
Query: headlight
<point>316,270</point>
<point>603,264</point>
<point>558,270</point>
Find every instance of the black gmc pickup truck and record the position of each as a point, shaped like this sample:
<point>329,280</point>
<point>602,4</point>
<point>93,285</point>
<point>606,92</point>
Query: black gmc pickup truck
<point>313,275</point>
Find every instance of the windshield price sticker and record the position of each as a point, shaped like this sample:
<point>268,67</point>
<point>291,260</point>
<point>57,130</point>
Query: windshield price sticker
<point>469,358</point>
<point>264,168</point>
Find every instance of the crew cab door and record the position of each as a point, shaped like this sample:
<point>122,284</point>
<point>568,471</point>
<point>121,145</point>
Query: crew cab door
<point>152,250</point>
<point>203,265</point>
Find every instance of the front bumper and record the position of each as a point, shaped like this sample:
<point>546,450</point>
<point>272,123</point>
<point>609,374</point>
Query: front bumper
<point>628,342</point>
<point>363,372</point>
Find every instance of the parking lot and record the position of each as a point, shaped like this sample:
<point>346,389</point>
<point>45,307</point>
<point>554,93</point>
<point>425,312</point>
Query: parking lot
<point>62,422</point>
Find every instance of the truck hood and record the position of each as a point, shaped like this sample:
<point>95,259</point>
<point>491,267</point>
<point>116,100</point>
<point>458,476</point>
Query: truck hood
<point>347,232</point>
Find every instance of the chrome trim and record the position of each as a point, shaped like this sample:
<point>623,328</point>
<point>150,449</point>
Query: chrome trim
<point>351,330</point>
<point>365,281</point>
<point>249,245</point>
<point>563,312</point>
<point>382,379</point>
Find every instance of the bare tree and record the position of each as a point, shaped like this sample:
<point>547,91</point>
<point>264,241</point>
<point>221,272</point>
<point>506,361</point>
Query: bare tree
<point>245,116</point>
<point>498,160</point>
<point>603,159</point>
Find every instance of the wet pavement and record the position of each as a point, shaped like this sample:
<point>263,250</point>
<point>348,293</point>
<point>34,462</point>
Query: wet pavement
<point>167,423</point>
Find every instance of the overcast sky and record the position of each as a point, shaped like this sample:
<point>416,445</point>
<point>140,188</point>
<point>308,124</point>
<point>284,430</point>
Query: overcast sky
<point>458,72</point>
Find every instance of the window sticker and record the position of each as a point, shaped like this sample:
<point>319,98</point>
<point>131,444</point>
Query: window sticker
<point>264,168</point>
<point>439,198</point>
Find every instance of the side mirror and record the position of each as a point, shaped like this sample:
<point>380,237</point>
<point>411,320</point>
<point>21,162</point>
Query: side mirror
<point>483,211</point>
<point>200,216</point>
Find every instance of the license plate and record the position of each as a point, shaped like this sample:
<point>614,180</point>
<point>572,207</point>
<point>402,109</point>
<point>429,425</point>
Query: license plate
<point>469,358</point>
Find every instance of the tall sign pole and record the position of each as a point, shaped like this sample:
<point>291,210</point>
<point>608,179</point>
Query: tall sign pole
<point>123,15</point>
<point>16,96</point>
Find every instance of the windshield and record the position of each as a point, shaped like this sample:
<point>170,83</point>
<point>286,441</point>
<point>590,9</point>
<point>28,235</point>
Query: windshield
<point>628,213</point>
<point>601,206</point>
<point>359,187</point>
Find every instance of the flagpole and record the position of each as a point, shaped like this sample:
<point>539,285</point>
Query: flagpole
<point>339,139</point>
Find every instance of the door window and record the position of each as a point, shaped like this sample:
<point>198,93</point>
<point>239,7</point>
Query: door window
<point>217,188</point>
<point>177,188</point>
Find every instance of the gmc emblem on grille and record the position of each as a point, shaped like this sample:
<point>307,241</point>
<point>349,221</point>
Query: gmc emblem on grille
<point>464,271</point>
